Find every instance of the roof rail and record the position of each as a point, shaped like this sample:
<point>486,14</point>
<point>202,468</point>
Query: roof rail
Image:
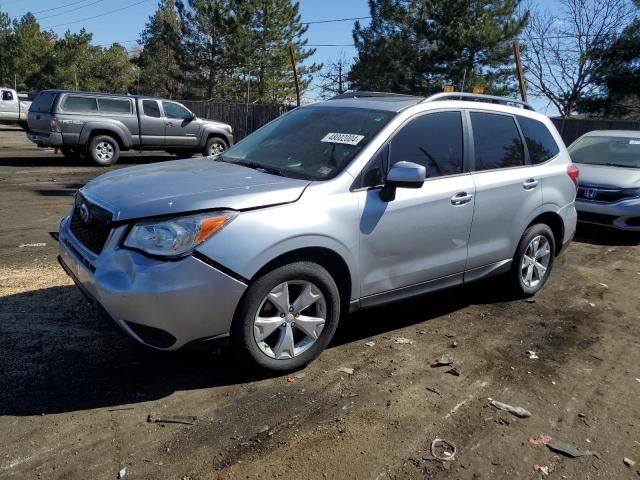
<point>474,97</point>
<point>357,94</point>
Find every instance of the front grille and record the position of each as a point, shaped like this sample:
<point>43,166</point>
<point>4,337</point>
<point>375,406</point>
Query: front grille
<point>599,218</point>
<point>93,230</point>
<point>600,194</point>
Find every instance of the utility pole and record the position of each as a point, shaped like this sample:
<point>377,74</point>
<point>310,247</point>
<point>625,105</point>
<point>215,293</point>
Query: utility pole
<point>520,71</point>
<point>295,74</point>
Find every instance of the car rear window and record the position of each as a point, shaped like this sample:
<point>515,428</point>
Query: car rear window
<point>497,142</point>
<point>73,103</point>
<point>43,102</point>
<point>540,142</point>
<point>114,105</point>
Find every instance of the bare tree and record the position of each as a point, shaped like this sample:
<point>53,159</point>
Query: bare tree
<point>558,44</point>
<point>333,77</point>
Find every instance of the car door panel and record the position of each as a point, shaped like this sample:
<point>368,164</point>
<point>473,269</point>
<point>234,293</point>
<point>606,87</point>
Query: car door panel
<point>152,123</point>
<point>420,236</point>
<point>180,131</point>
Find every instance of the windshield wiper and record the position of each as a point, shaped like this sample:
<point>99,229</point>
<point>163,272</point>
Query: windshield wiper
<point>262,168</point>
<point>620,165</point>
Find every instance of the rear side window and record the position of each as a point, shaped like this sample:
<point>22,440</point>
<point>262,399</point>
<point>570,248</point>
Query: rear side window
<point>151,108</point>
<point>113,105</point>
<point>80,104</point>
<point>433,140</point>
<point>539,140</point>
<point>7,95</point>
<point>497,142</point>
<point>43,102</point>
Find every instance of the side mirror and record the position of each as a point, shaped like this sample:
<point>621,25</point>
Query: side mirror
<point>192,116</point>
<point>402,175</point>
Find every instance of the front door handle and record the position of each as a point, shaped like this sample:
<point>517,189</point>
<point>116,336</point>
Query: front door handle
<point>169,124</point>
<point>461,198</point>
<point>530,184</point>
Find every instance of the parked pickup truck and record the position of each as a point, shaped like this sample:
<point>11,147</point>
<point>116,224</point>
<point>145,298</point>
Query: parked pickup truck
<point>101,125</point>
<point>12,109</point>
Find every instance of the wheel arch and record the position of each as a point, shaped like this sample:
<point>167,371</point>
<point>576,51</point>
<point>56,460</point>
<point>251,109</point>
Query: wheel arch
<point>325,257</point>
<point>113,131</point>
<point>555,223</point>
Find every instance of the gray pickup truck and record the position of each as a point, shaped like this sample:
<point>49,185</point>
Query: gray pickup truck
<point>100,126</point>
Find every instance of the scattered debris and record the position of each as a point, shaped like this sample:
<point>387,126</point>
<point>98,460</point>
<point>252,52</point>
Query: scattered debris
<point>451,335</point>
<point>454,371</point>
<point>264,429</point>
<point>404,341</point>
<point>23,245</point>
<point>443,361</point>
<point>628,462</point>
<point>569,450</point>
<point>422,331</point>
<point>122,473</point>
<point>300,375</point>
<point>434,390</point>
<point>541,440</point>
<point>604,285</point>
<point>517,411</point>
<point>454,344</point>
<point>291,379</point>
<point>637,379</point>
<point>532,355</point>
<point>370,344</point>
<point>591,304</point>
<point>443,450</point>
<point>541,468</point>
<point>347,370</point>
<point>529,300</point>
<point>172,419</point>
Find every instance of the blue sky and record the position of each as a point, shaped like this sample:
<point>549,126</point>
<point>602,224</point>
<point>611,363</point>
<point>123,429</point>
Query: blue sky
<point>125,25</point>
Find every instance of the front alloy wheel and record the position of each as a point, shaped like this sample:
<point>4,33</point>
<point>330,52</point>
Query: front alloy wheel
<point>287,317</point>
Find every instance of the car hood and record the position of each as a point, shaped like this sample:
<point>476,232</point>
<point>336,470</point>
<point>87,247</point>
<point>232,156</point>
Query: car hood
<point>617,177</point>
<point>188,185</point>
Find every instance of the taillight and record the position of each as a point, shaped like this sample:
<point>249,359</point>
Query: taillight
<point>573,173</point>
<point>56,125</point>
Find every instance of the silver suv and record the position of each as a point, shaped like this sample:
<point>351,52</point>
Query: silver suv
<point>351,203</point>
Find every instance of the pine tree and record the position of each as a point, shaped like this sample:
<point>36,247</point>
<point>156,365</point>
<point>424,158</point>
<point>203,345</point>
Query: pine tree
<point>32,54</point>
<point>274,27</point>
<point>158,60</point>
<point>6,57</point>
<point>418,46</point>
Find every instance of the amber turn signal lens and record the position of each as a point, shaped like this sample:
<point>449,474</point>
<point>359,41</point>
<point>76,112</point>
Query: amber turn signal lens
<point>209,227</point>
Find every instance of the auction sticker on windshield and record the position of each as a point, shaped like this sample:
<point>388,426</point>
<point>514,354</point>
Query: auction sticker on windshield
<point>343,138</point>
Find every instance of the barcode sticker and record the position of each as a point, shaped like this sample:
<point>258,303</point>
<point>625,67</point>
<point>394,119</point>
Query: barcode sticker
<point>343,138</point>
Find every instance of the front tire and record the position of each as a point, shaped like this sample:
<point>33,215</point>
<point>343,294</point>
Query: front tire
<point>104,150</point>
<point>533,260</point>
<point>215,146</point>
<point>287,317</point>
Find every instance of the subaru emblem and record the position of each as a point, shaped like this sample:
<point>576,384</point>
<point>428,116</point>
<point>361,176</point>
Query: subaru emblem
<point>84,213</point>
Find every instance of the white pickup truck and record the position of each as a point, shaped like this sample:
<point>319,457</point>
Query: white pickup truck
<point>12,109</point>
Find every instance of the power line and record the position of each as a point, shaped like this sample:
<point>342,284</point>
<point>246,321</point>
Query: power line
<point>336,20</point>
<point>98,16</point>
<point>59,7</point>
<point>70,11</point>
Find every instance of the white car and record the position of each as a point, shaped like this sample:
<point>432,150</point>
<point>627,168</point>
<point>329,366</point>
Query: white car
<point>12,109</point>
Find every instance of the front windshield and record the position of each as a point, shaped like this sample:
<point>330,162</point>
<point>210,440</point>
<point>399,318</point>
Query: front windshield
<point>312,143</point>
<point>612,151</point>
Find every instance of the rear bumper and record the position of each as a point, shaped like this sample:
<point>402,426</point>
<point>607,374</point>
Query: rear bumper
<point>162,304</point>
<point>624,215</point>
<point>46,139</point>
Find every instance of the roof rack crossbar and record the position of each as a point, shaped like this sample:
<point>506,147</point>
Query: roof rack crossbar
<point>475,97</point>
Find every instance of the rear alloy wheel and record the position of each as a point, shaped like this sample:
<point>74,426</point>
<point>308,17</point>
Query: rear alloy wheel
<point>104,150</point>
<point>533,260</point>
<point>215,146</point>
<point>287,317</point>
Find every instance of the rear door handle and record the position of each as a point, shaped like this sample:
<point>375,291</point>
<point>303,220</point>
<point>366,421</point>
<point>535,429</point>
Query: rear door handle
<point>530,184</point>
<point>461,198</point>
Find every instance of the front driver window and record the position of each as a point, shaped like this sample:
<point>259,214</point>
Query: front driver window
<point>433,140</point>
<point>175,111</point>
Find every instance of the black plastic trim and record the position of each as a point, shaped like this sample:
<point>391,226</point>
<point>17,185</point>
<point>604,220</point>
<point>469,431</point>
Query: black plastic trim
<point>227,271</point>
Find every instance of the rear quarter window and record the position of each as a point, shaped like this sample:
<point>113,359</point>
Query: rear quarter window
<point>540,142</point>
<point>114,105</point>
<point>43,102</point>
<point>73,103</point>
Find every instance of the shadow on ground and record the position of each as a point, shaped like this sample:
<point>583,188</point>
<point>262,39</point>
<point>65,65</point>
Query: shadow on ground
<point>596,235</point>
<point>57,356</point>
<point>52,160</point>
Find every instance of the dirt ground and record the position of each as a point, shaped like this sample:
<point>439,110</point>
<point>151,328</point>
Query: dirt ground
<point>75,395</point>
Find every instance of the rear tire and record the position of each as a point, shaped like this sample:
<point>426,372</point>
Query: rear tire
<point>264,331</point>
<point>533,261</point>
<point>104,150</point>
<point>215,146</point>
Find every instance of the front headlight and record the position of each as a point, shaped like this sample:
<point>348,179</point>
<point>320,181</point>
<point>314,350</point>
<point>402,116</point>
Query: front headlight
<point>176,237</point>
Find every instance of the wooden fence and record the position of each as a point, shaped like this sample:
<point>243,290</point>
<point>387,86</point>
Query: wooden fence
<point>572,128</point>
<point>242,117</point>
